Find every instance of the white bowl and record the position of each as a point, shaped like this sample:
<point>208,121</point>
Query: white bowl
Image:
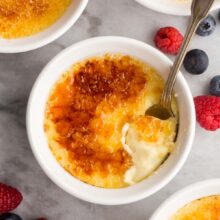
<point>38,141</point>
<point>173,7</point>
<point>185,196</point>
<point>48,35</point>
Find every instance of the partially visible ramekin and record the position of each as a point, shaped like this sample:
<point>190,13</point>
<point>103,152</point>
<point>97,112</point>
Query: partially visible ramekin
<point>185,196</point>
<point>48,35</point>
<point>172,7</point>
<point>38,141</point>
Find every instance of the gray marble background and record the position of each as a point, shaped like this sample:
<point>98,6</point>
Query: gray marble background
<point>17,75</point>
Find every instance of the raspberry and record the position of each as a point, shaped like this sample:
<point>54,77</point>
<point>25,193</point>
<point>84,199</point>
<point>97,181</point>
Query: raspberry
<point>10,198</point>
<point>208,112</point>
<point>168,40</point>
<point>42,219</point>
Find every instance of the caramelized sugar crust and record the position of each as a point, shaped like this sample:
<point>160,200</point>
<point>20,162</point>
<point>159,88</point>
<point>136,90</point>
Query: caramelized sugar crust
<point>154,130</point>
<point>88,108</point>
<point>207,208</point>
<point>19,18</point>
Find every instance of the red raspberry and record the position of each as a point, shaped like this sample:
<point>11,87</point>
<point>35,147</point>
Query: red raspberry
<point>42,219</point>
<point>10,198</point>
<point>168,40</point>
<point>208,112</point>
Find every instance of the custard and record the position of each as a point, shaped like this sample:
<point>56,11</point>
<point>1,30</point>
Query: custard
<point>86,113</point>
<point>22,18</point>
<point>207,208</point>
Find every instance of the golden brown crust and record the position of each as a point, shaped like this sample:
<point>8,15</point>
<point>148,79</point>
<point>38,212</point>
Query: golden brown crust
<point>15,10</point>
<point>74,107</point>
<point>26,17</point>
<point>207,208</point>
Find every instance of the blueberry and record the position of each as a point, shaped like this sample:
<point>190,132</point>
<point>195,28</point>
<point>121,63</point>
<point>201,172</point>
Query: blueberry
<point>214,87</point>
<point>10,216</point>
<point>207,26</point>
<point>196,62</point>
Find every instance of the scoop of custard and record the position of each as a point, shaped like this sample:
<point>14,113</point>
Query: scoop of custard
<point>149,140</point>
<point>86,112</point>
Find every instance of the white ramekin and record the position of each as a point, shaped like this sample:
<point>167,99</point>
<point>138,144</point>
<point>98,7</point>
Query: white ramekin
<point>36,108</point>
<point>185,196</point>
<point>172,7</point>
<point>48,35</point>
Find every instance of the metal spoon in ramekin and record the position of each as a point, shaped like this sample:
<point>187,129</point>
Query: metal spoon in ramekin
<point>163,110</point>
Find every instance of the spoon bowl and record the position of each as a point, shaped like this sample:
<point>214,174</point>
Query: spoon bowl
<point>159,111</point>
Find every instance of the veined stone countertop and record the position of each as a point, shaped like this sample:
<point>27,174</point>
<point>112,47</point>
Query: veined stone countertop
<point>17,75</point>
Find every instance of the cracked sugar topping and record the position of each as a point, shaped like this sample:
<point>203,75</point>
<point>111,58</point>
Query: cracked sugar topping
<point>80,109</point>
<point>23,18</point>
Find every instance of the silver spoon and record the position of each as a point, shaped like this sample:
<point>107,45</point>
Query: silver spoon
<point>163,110</point>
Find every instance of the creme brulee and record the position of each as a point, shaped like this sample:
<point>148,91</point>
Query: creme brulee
<point>95,123</point>
<point>22,18</point>
<point>207,208</point>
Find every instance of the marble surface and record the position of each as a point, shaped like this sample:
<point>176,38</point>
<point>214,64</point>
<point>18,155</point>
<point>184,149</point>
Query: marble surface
<point>17,75</point>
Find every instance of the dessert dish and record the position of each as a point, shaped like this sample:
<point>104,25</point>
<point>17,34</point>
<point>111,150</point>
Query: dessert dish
<point>29,24</point>
<point>200,200</point>
<point>153,60</point>
<point>173,7</point>
<point>96,126</point>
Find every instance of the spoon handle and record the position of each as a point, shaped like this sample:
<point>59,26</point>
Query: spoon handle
<point>200,9</point>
